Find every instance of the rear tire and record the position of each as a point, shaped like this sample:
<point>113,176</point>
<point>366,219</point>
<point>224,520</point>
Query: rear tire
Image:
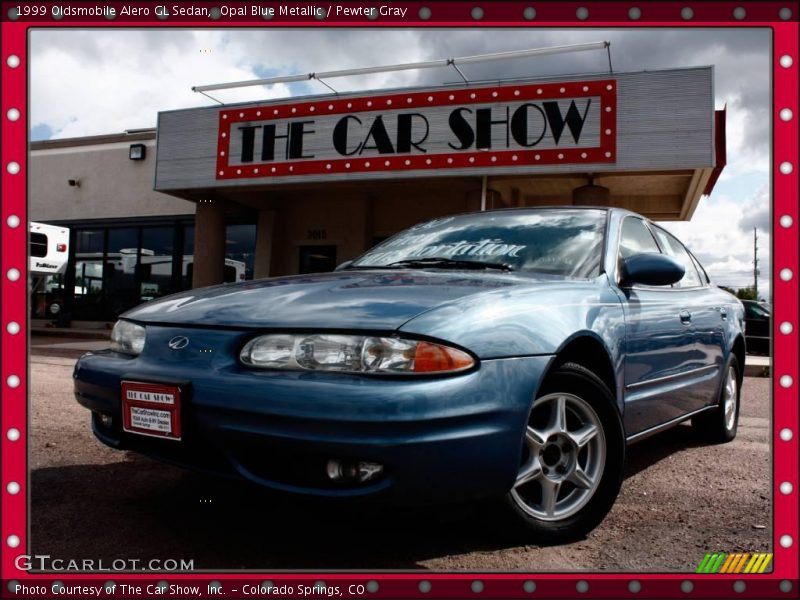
<point>573,460</point>
<point>720,425</point>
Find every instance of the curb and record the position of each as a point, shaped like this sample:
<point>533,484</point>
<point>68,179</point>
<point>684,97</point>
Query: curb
<point>82,334</point>
<point>756,371</point>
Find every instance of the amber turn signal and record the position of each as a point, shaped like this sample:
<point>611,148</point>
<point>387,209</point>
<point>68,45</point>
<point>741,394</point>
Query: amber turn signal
<point>433,358</point>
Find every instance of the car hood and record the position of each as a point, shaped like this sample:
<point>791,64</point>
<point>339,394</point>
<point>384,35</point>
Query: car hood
<point>377,300</point>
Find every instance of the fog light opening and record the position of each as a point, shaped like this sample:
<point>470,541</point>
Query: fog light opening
<point>350,471</point>
<point>105,420</point>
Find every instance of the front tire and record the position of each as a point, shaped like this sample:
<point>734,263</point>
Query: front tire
<point>720,425</point>
<point>573,459</point>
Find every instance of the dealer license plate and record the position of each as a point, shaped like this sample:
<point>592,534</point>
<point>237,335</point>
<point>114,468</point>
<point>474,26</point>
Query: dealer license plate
<point>151,409</point>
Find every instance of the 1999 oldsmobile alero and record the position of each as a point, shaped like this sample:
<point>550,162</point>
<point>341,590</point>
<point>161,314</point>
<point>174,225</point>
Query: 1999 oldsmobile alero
<point>508,355</point>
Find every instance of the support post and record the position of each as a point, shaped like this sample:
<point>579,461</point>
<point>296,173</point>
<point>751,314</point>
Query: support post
<point>265,235</point>
<point>209,244</point>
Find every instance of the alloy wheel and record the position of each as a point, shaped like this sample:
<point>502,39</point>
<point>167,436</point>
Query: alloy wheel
<point>563,458</point>
<point>729,396</point>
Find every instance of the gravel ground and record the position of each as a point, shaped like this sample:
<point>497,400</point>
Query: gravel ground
<point>680,499</point>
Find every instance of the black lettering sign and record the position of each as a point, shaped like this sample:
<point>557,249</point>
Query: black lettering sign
<point>340,136</point>
<point>405,125</point>
<point>294,141</point>
<point>248,141</point>
<point>379,135</point>
<point>295,145</point>
<point>574,120</point>
<point>483,127</point>
<point>521,126</point>
<point>268,142</point>
<point>461,128</point>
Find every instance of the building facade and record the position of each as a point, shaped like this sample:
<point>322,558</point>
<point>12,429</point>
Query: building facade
<point>300,185</point>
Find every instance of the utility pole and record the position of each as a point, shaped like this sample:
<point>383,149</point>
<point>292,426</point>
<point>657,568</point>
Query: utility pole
<point>755,262</point>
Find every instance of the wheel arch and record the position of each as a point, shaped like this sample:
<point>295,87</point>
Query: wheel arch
<point>738,350</point>
<point>591,353</point>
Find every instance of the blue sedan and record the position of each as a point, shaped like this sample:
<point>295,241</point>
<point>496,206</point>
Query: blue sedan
<point>510,356</point>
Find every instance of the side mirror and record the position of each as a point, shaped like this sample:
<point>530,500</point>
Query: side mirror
<point>344,265</point>
<point>651,268</point>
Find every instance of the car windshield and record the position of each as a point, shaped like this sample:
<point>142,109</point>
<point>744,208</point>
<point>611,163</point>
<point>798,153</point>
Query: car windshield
<point>566,242</point>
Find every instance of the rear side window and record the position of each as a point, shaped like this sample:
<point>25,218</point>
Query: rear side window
<point>672,247</point>
<point>635,238</point>
<point>38,245</point>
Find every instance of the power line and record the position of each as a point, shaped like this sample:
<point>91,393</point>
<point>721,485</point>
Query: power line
<point>755,261</point>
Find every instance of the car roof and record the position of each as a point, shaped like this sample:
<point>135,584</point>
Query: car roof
<point>523,209</point>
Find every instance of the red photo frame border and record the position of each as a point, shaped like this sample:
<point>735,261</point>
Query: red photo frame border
<point>782,582</point>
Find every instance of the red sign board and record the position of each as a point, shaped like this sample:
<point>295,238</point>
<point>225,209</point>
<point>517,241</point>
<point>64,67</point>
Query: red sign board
<point>151,409</point>
<point>467,128</point>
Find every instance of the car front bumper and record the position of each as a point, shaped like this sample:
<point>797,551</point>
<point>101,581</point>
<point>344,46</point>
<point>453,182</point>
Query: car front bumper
<point>438,438</point>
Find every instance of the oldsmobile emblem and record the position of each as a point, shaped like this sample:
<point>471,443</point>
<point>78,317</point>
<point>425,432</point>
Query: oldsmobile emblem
<point>179,342</point>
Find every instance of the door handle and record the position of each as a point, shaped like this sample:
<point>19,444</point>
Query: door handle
<point>686,317</point>
<point>723,313</point>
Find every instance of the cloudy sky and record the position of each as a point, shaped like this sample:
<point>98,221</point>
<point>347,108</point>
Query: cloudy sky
<point>86,82</point>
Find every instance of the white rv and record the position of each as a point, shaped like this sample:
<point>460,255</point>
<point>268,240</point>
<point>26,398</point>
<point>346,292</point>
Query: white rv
<point>49,249</point>
<point>48,253</point>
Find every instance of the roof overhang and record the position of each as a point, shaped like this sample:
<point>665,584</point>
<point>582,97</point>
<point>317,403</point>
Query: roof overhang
<point>652,138</point>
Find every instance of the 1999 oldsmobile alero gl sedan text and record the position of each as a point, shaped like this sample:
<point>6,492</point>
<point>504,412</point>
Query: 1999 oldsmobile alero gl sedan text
<point>507,355</point>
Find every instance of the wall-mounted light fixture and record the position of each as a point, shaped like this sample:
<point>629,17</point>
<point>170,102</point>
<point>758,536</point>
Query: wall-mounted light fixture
<point>136,152</point>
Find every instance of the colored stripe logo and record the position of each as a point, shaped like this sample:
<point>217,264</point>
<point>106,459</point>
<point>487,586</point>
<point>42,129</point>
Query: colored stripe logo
<point>740,562</point>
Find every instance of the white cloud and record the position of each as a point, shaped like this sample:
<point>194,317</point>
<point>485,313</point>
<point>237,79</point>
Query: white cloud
<point>743,157</point>
<point>86,82</point>
<point>721,239</point>
<point>109,85</point>
<point>92,82</point>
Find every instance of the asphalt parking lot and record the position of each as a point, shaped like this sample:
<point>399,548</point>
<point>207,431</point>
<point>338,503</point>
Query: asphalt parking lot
<point>680,499</point>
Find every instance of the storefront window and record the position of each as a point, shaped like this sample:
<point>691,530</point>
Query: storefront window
<point>240,246</point>
<point>89,277</point>
<point>89,300</point>
<point>155,262</point>
<point>89,241</point>
<point>125,238</point>
<point>317,259</point>
<point>121,258</point>
<point>117,268</point>
<point>188,257</point>
<point>89,246</point>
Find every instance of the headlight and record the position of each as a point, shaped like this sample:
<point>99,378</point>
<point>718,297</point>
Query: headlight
<point>127,337</point>
<point>352,354</point>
